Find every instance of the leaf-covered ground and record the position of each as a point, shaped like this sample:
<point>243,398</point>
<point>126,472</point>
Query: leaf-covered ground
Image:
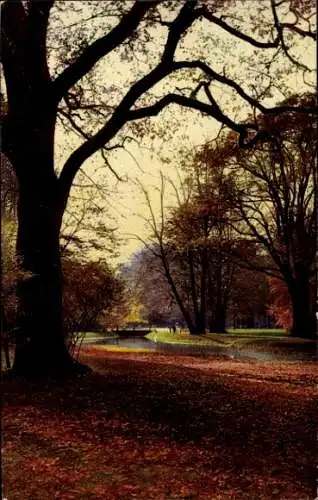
<point>163,427</point>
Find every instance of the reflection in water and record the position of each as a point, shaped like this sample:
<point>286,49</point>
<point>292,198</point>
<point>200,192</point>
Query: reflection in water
<point>247,353</point>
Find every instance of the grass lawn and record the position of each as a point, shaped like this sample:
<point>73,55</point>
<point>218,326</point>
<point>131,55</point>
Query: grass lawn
<point>274,341</point>
<point>152,426</point>
<point>259,332</point>
<point>233,337</point>
<point>163,335</point>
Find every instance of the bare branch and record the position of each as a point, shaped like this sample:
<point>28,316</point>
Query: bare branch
<point>280,30</point>
<point>166,66</point>
<point>121,114</point>
<point>86,136</point>
<point>182,22</point>
<point>209,109</point>
<point>300,31</point>
<point>213,75</point>
<point>149,246</point>
<point>103,153</point>
<point>203,12</point>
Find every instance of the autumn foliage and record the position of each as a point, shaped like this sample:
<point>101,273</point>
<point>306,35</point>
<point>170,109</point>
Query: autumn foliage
<point>91,291</point>
<point>152,427</point>
<point>280,306</point>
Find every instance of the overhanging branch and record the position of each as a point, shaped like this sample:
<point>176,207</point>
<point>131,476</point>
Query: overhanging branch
<point>203,12</point>
<point>120,115</point>
<point>213,75</point>
<point>248,132</point>
<point>100,48</point>
<point>209,109</point>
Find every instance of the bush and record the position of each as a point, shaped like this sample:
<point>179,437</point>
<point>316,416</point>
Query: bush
<point>91,291</point>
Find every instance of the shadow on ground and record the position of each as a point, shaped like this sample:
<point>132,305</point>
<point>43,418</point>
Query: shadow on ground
<point>146,430</point>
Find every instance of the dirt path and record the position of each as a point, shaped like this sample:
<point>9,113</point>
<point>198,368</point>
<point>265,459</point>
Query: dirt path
<point>163,427</point>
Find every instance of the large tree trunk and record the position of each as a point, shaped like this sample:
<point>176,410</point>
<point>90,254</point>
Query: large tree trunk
<point>40,348</point>
<point>304,322</point>
<point>5,336</point>
<point>28,141</point>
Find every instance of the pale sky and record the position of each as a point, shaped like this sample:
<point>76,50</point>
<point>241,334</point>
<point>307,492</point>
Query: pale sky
<point>188,128</point>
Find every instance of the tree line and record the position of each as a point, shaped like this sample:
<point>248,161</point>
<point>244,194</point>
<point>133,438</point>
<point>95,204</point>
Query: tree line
<point>241,212</point>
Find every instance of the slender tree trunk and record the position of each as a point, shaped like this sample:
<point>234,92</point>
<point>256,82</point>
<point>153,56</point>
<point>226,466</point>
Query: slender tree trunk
<point>193,292</point>
<point>201,324</point>
<point>218,320</point>
<point>304,322</point>
<point>184,311</point>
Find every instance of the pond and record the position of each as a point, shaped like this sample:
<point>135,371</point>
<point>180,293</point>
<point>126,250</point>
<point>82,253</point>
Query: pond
<point>247,353</point>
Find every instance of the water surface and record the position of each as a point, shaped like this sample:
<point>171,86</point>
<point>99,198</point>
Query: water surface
<point>244,353</point>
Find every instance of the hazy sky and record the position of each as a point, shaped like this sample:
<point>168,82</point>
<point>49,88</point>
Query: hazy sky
<point>181,129</point>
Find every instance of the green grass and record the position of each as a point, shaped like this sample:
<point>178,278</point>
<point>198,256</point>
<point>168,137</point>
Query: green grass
<point>184,338</point>
<point>259,332</point>
<point>229,339</point>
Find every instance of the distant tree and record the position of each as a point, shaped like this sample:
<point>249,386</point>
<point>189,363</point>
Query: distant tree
<point>145,273</point>
<point>250,299</point>
<point>212,237</point>
<point>88,230</point>
<point>9,189</point>
<point>190,242</point>
<point>170,252</point>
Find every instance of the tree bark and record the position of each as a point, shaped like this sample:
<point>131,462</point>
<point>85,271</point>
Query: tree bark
<point>193,291</point>
<point>5,336</point>
<point>203,288</point>
<point>304,322</point>
<point>40,348</point>
<point>218,300</point>
<point>29,140</point>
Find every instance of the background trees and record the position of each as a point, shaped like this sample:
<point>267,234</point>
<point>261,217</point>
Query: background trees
<point>251,303</point>
<point>253,209</point>
<point>192,249</point>
<point>274,193</point>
